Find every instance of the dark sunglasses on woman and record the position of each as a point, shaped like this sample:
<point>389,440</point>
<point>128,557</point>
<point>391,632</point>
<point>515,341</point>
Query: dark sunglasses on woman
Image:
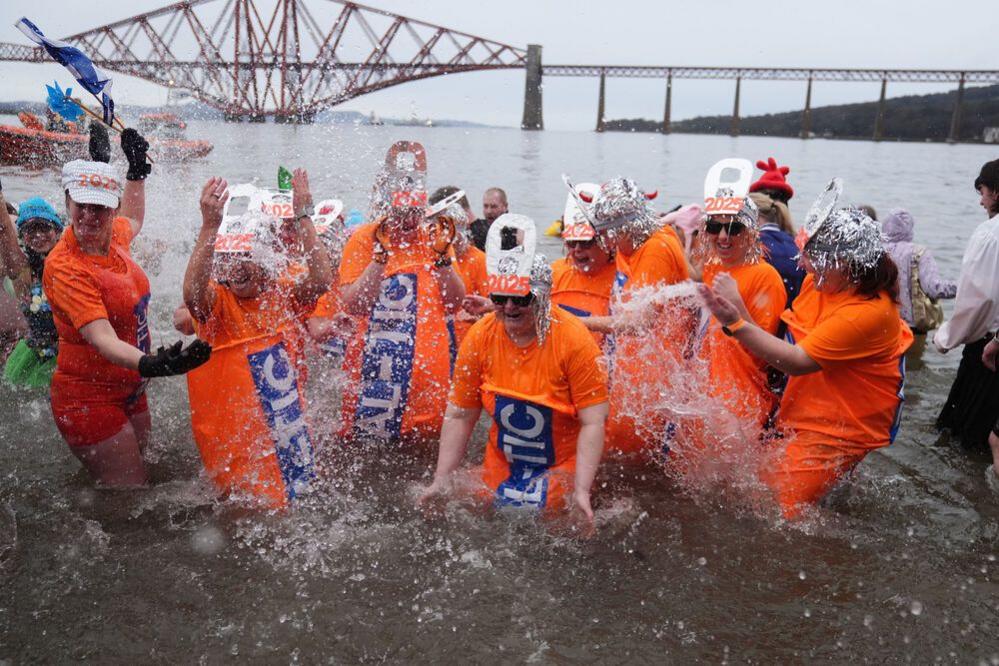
<point>732,228</point>
<point>499,300</point>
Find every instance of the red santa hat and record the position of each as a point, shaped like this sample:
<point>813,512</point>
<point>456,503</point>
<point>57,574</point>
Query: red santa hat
<point>772,178</point>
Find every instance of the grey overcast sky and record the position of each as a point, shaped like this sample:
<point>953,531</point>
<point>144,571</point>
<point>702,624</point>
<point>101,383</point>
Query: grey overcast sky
<point>954,34</point>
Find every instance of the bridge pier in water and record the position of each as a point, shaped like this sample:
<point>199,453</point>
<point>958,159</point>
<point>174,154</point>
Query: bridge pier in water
<point>879,121</point>
<point>955,120</point>
<point>601,100</point>
<point>734,129</point>
<point>806,116</point>
<point>669,102</point>
<point>533,118</point>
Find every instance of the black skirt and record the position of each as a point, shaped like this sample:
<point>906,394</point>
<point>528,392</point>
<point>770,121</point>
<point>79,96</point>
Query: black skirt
<point>973,403</point>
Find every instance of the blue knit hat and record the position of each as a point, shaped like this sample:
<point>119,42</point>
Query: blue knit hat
<point>37,208</point>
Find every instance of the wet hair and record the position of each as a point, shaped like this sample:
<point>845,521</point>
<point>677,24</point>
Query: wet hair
<point>871,213</point>
<point>774,211</point>
<point>501,193</point>
<point>873,280</point>
<point>442,193</point>
<point>10,208</point>
<point>989,176</point>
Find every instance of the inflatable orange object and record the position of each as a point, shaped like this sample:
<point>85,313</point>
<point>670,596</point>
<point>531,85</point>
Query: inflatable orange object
<point>30,121</point>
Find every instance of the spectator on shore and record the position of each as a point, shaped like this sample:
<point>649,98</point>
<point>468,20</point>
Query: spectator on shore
<point>918,275</point>
<point>494,204</point>
<point>973,402</point>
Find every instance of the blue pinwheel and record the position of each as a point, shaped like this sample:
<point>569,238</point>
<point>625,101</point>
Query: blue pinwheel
<point>60,102</point>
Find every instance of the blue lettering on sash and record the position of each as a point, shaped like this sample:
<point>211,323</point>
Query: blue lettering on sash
<point>524,438</point>
<point>576,311</point>
<point>276,381</point>
<point>142,338</point>
<point>387,364</point>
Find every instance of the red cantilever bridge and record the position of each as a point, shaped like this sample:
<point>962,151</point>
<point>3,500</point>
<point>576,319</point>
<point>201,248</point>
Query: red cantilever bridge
<point>291,59</point>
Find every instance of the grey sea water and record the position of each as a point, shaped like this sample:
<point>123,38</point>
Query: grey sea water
<point>899,565</point>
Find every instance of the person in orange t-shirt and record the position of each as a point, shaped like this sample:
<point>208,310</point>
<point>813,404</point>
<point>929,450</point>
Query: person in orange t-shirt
<point>100,298</point>
<point>538,373</point>
<point>583,281</point>
<point>398,279</point>
<point>247,402</point>
<point>846,362</point>
<point>648,255</point>
<point>734,268</point>
<point>469,261</point>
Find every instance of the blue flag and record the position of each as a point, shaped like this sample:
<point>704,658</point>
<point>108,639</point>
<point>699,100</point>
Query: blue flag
<point>83,70</point>
<point>60,102</point>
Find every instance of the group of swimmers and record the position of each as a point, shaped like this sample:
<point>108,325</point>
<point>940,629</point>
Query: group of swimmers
<point>430,330</point>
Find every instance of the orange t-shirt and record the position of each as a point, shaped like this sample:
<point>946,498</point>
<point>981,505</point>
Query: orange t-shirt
<point>581,293</point>
<point>329,306</point>
<point>401,355</point>
<point>83,288</point>
<point>860,344</point>
<point>534,395</point>
<point>247,402</point>
<point>735,373</point>
<point>472,270</point>
<point>659,260</point>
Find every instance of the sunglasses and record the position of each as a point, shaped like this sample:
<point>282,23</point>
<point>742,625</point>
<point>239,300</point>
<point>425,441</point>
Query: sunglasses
<point>732,228</point>
<point>584,244</point>
<point>499,300</point>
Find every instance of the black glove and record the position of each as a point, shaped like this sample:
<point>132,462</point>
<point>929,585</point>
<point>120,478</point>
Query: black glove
<point>100,143</point>
<point>135,149</point>
<point>172,360</point>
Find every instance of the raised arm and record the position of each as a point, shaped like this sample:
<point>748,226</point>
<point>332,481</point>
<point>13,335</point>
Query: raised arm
<point>133,200</point>
<point>777,353</point>
<point>317,260</point>
<point>197,296</point>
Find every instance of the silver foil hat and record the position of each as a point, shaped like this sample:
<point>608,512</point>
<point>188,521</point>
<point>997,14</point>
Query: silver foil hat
<point>621,205</point>
<point>541,289</point>
<point>848,239</point>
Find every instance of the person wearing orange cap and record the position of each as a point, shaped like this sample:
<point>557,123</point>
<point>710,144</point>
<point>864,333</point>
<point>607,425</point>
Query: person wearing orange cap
<point>583,280</point>
<point>730,243</point>
<point>846,362</point>
<point>99,298</point>
<point>398,279</point>
<point>537,372</point>
<point>247,402</point>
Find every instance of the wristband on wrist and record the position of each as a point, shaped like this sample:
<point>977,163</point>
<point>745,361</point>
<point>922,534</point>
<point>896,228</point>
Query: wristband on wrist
<point>730,329</point>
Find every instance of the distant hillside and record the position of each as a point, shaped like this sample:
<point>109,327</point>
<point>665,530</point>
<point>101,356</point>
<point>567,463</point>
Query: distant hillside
<point>910,118</point>
<point>199,111</point>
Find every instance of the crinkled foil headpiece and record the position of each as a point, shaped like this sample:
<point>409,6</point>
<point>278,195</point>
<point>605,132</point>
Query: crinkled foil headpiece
<point>541,288</point>
<point>621,206</point>
<point>847,240</point>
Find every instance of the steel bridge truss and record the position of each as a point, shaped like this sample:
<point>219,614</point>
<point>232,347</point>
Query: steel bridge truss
<point>258,58</point>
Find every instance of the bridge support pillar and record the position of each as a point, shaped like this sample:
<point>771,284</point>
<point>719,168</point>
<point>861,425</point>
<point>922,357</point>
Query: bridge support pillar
<point>879,122</point>
<point>533,117</point>
<point>955,120</point>
<point>734,129</point>
<point>806,116</point>
<point>601,100</point>
<point>669,102</point>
